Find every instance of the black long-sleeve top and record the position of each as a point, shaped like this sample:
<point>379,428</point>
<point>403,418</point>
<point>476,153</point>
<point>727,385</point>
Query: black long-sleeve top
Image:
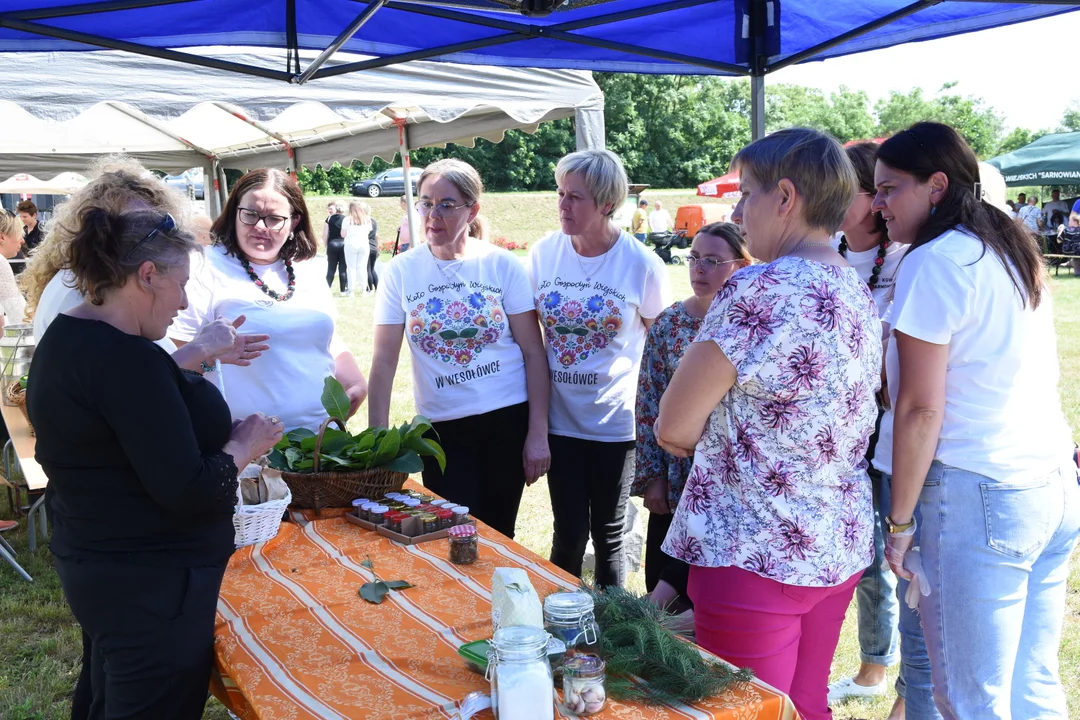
<point>132,446</point>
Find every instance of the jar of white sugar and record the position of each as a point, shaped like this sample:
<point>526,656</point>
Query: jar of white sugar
<point>521,682</point>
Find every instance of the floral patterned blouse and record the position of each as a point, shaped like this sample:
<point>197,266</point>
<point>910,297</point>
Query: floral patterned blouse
<point>779,484</point>
<point>668,339</point>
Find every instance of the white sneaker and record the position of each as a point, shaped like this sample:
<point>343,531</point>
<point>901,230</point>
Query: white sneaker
<point>842,690</point>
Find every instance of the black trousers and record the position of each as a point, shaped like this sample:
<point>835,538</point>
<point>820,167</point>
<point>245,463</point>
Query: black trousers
<point>149,635</point>
<point>484,466</point>
<point>335,258</point>
<point>372,277</point>
<point>661,566</point>
<point>589,483</point>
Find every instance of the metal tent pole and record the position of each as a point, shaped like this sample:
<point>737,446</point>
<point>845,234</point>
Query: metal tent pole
<point>406,166</point>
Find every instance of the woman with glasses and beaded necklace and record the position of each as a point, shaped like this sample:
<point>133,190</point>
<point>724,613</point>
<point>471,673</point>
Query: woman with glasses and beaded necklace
<point>260,267</point>
<point>718,251</point>
<point>480,373</point>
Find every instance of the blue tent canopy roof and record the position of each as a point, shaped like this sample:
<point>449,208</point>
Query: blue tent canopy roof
<point>726,37</point>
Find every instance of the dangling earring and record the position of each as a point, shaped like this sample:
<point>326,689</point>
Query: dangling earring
<point>933,209</point>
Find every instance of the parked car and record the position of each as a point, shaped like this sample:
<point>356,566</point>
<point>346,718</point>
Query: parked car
<point>193,177</point>
<point>388,182</point>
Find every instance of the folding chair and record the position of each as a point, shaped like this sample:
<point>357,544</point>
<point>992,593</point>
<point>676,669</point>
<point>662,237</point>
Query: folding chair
<point>8,553</point>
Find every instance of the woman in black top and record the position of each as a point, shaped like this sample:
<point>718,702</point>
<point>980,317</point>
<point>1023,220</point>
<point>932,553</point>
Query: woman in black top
<point>142,460</point>
<point>335,249</point>
<point>373,255</point>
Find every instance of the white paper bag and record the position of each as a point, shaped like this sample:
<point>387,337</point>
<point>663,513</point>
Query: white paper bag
<point>514,600</point>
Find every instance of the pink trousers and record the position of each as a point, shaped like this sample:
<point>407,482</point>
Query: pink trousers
<point>786,634</point>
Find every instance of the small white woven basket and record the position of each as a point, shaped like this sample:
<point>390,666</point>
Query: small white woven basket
<point>257,523</point>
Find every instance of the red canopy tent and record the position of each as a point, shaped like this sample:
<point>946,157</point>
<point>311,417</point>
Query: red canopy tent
<point>720,186</point>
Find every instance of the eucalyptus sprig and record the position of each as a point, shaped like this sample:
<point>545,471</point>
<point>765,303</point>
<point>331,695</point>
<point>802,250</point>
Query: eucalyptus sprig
<point>375,591</point>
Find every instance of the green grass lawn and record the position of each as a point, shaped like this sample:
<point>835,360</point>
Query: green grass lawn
<point>39,640</point>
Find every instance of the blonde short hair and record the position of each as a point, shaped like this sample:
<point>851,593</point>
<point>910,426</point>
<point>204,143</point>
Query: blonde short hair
<point>10,224</point>
<point>816,165</point>
<point>604,176</point>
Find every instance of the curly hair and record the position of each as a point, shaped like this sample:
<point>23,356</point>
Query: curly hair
<point>119,184</point>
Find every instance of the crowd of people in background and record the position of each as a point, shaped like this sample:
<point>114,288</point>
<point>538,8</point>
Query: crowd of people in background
<point>867,349</point>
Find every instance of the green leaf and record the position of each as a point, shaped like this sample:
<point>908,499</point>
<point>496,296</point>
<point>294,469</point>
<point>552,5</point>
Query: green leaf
<point>277,460</point>
<point>334,399</point>
<point>398,584</point>
<point>305,465</point>
<point>448,335</point>
<point>580,332</point>
<point>299,434</point>
<point>409,462</point>
<point>563,330</point>
<point>374,592</point>
<point>469,332</point>
<point>334,441</point>
<point>293,457</point>
<point>388,447</point>
<point>424,446</point>
<point>366,440</point>
<point>369,563</point>
<point>324,458</point>
<point>282,443</point>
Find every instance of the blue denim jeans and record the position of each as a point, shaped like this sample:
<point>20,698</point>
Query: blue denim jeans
<point>876,595</point>
<point>997,557</point>
<point>914,684</point>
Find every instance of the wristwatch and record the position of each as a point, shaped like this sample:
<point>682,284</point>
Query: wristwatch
<point>901,527</point>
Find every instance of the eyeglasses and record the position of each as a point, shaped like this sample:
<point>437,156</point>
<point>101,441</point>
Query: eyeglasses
<point>167,225</point>
<point>270,222</point>
<point>442,209</point>
<point>708,264</point>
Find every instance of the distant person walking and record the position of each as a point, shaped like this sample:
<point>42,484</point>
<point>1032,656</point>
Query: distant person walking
<point>660,219</point>
<point>355,228</point>
<point>639,224</point>
<point>335,249</point>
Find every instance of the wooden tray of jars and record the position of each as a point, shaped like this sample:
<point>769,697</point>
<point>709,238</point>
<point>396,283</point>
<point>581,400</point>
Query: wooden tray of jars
<point>398,537</point>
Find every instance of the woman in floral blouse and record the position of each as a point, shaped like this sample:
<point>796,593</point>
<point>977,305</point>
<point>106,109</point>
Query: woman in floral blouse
<point>777,395</point>
<point>717,252</point>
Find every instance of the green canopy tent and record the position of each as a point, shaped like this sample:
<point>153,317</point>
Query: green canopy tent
<point>1050,160</point>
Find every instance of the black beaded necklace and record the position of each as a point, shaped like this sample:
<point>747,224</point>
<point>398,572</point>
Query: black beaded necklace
<point>879,261</point>
<point>262,286</point>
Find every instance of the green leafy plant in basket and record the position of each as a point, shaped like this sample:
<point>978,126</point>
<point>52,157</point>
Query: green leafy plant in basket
<point>394,448</point>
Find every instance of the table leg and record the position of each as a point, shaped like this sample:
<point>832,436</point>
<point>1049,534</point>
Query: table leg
<point>38,506</point>
<point>8,553</point>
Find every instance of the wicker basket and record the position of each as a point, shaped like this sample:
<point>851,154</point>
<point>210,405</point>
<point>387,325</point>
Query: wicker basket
<point>257,523</point>
<point>17,396</point>
<point>317,490</point>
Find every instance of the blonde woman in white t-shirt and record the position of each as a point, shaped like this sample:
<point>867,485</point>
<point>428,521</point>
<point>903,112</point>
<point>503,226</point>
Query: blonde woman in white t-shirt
<point>598,290</point>
<point>355,228</point>
<point>479,369</point>
<point>978,449</point>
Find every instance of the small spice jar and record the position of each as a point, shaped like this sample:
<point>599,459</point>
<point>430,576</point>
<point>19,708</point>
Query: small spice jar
<point>437,502</point>
<point>583,685</point>
<point>568,616</point>
<point>411,502</point>
<point>431,523</point>
<point>393,521</point>
<point>377,514</point>
<point>357,504</point>
<point>364,511</point>
<point>461,514</point>
<point>424,498</point>
<point>464,544</point>
<point>446,518</point>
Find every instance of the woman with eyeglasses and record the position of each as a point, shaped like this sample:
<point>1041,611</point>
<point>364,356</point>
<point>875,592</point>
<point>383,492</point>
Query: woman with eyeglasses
<point>142,461</point>
<point>479,369</point>
<point>718,250</point>
<point>598,290</point>
<point>261,267</point>
<point>12,303</point>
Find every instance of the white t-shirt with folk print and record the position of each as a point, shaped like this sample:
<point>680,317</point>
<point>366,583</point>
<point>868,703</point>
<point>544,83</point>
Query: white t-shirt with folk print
<point>465,358</point>
<point>591,310</point>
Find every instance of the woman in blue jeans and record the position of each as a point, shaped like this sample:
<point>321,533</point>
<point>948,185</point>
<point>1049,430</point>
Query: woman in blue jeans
<point>979,441</point>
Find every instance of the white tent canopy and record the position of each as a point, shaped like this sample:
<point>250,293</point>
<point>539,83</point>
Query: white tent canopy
<point>24,184</point>
<point>59,110</point>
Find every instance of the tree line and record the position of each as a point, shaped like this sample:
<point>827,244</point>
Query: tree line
<point>680,130</point>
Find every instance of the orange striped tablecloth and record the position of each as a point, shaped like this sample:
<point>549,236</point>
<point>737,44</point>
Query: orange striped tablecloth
<point>295,641</point>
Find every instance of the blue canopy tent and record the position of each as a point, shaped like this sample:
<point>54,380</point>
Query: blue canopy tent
<point>724,37</point>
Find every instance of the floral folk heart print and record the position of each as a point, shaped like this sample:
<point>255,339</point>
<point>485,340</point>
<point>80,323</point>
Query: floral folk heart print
<point>456,330</point>
<point>577,329</point>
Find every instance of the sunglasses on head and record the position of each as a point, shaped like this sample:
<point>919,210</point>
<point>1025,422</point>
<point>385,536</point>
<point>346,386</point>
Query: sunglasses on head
<point>167,225</point>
